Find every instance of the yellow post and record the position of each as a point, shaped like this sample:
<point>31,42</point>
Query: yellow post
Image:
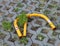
<point>25,27</point>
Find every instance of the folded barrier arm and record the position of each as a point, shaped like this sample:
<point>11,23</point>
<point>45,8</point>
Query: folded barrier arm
<point>25,24</point>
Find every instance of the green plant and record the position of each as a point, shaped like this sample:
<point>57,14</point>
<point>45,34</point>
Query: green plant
<point>20,5</point>
<point>41,5</point>
<point>5,44</point>
<point>58,26</point>
<point>2,36</point>
<point>40,37</point>
<point>24,12</point>
<point>47,12</point>
<point>54,33</point>
<point>58,8</point>
<point>24,40</point>
<point>52,6</point>
<point>6,25</point>
<point>16,9</point>
<point>44,0</point>
<point>22,19</point>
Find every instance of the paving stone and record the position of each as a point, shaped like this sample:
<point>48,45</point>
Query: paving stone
<point>59,36</point>
<point>50,8</point>
<point>51,41</point>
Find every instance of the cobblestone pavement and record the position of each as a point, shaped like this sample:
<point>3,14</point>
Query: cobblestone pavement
<point>37,28</point>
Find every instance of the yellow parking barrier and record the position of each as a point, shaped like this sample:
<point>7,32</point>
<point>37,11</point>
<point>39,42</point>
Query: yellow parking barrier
<point>25,24</point>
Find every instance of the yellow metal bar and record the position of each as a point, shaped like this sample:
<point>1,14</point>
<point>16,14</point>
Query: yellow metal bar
<point>17,29</point>
<point>25,27</point>
<point>44,17</point>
